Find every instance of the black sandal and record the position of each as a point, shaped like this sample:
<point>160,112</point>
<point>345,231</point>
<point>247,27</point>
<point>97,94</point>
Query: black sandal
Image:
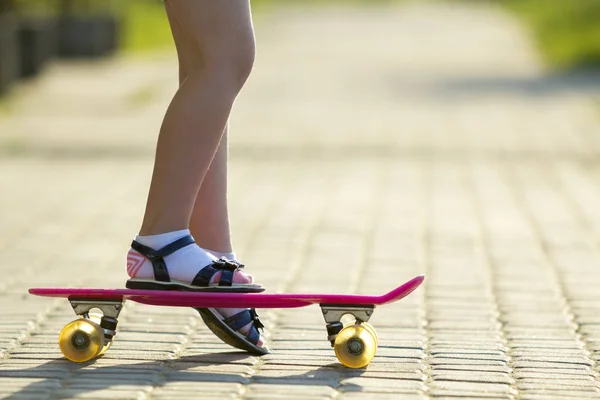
<point>201,282</point>
<point>227,329</point>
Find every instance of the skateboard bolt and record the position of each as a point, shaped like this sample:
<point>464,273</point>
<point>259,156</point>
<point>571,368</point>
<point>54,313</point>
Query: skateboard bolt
<point>355,346</point>
<point>80,340</point>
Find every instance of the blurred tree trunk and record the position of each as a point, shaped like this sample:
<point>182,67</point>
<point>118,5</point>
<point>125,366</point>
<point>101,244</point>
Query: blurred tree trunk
<point>9,50</point>
<point>86,28</point>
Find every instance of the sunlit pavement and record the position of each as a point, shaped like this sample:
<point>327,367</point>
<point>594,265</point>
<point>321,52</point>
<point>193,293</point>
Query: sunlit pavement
<point>369,146</point>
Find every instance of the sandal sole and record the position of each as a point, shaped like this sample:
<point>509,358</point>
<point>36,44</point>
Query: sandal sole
<point>149,284</point>
<point>228,335</point>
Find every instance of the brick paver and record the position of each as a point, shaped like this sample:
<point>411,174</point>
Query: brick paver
<point>370,145</point>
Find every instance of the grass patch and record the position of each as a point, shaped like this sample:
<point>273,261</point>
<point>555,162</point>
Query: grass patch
<point>144,26</point>
<point>567,32</point>
<point>9,101</point>
<point>6,105</point>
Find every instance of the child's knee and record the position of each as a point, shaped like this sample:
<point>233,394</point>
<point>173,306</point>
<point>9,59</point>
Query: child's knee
<point>233,63</point>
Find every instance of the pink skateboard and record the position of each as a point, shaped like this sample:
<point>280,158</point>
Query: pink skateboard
<point>91,335</point>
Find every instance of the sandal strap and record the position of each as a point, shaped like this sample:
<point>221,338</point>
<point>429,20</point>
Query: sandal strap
<point>226,267</point>
<point>253,336</point>
<point>156,257</point>
<point>239,320</point>
<point>243,318</point>
<point>255,318</point>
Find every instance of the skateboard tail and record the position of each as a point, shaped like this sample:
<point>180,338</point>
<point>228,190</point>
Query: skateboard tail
<point>402,291</point>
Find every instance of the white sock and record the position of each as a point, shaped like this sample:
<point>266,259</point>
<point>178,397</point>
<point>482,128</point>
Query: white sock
<point>230,256</point>
<point>183,265</point>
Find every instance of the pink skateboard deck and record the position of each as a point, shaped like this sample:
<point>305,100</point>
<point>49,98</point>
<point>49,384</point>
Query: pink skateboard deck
<point>229,300</point>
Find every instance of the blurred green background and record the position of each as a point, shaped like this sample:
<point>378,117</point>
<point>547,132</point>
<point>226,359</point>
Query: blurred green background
<point>566,32</point>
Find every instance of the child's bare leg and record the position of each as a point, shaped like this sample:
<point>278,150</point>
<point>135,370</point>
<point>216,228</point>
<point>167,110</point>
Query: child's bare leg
<point>210,218</point>
<point>215,45</point>
<point>192,129</point>
<point>209,223</point>
<point>218,52</point>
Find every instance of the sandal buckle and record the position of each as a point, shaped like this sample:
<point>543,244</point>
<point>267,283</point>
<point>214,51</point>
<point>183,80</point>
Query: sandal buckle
<point>223,263</point>
<point>255,319</point>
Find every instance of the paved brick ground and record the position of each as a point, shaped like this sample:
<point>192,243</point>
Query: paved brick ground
<point>370,145</point>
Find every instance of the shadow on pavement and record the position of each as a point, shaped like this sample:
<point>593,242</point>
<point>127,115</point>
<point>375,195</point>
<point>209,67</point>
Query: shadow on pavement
<point>146,374</point>
<point>544,85</point>
<point>586,82</point>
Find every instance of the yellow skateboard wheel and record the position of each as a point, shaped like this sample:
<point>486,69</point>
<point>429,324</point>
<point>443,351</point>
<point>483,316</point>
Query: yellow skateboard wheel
<point>369,327</point>
<point>104,349</point>
<point>81,340</point>
<point>373,332</point>
<point>355,345</point>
